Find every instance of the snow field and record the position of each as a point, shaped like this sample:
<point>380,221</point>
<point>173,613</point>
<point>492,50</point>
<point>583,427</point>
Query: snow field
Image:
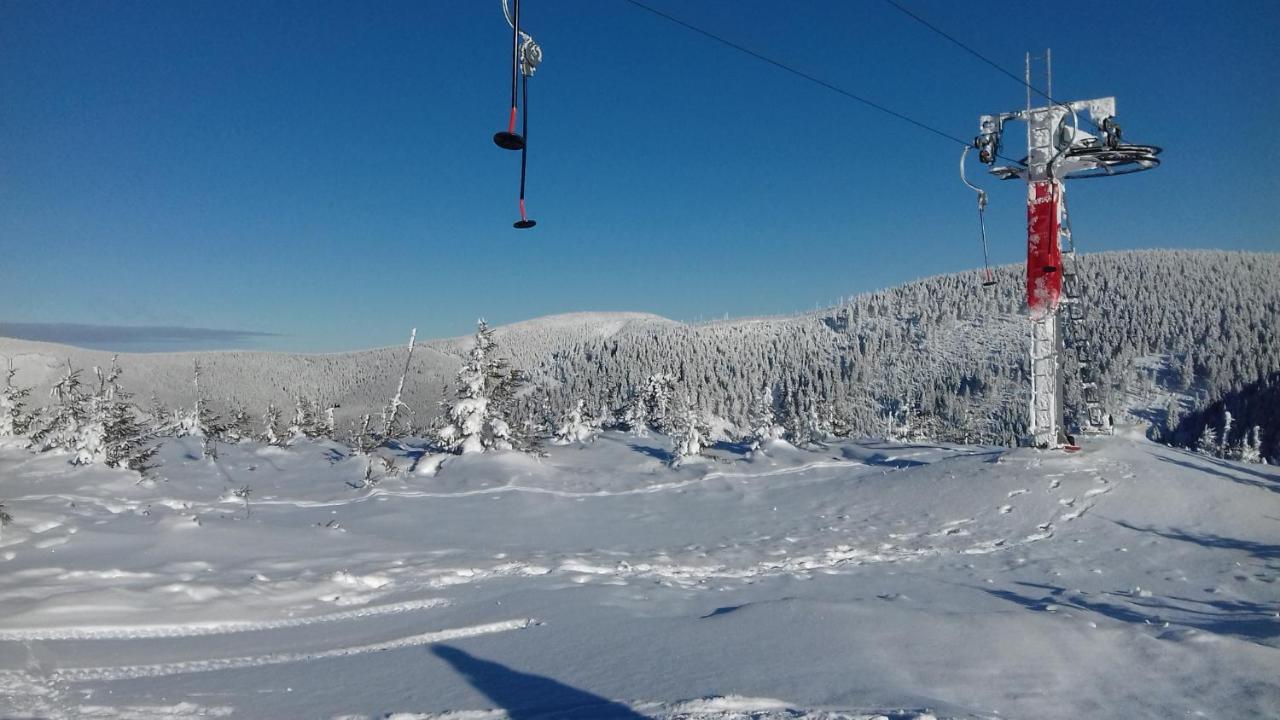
<point>854,580</point>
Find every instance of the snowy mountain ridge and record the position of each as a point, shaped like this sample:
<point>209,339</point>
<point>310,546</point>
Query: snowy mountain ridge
<point>941,354</point>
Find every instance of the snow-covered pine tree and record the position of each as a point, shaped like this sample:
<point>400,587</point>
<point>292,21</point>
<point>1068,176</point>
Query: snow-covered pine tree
<point>1252,450</point>
<point>5,517</point>
<point>304,419</point>
<point>91,436</point>
<point>125,441</point>
<point>159,417</point>
<point>1225,447</point>
<point>688,432</point>
<point>327,428</point>
<point>1172,417</point>
<point>764,420</point>
<point>1208,442</point>
<point>477,420</point>
<point>62,420</point>
<point>271,433</point>
<point>362,438</point>
<point>201,421</point>
<point>574,428</point>
<point>634,417</point>
<point>240,425</point>
<point>659,389</point>
<point>13,399</point>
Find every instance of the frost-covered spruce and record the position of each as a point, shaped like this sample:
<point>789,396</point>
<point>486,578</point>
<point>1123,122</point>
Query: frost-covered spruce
<point>61,420</point>
<point>574,428</point>
<point>477,420</point>
<point>13,399</point>
<point>304,422</point>
<point>271,433</point>
<point>1208,442</point>
<point>1252,449</point>
<point>126,442</point>
<point>201,421</point>
<point>362,438</point>
<point>764,420</point>
<point>240,425</point>
<point>688,433</point>
<point>5,518</point>
<point>160,418</point>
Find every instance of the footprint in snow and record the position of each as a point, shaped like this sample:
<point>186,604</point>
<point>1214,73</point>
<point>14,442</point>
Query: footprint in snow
<point>1016,493</point>
<point>1006,509</point>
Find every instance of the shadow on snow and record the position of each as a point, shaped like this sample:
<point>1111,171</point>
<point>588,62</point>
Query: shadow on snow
<point>531,697</point>
<point>1248,621</point>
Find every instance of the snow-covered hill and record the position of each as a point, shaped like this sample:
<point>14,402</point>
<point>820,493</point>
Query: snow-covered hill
<point>943,354</point>
<point>357,381</point>
<point>853,580</point>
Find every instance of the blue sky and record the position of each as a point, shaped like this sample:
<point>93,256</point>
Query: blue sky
<point>324,170</point>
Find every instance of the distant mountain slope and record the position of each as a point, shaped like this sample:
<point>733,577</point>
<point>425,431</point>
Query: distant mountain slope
<point>942,355</point>
<point>359,381</point>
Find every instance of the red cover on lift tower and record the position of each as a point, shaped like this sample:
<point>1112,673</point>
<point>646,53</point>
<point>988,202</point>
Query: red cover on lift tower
<point>1044,257</point>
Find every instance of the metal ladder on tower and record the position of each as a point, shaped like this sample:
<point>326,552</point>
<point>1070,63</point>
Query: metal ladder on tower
<point>1076,342</point>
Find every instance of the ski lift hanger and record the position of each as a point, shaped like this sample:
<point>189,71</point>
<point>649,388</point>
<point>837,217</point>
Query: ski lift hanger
<point>526,55</point>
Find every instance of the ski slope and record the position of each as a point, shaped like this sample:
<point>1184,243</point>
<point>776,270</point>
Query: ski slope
<point>855,580</point>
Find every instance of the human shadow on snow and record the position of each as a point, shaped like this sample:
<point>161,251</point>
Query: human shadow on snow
<point>658,453</point>
<point>525,696</point>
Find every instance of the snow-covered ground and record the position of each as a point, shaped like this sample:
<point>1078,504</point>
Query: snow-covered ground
<point>856,580</point>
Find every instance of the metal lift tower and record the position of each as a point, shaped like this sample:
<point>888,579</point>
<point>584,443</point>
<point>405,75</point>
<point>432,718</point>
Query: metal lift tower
<point>1057,150</point>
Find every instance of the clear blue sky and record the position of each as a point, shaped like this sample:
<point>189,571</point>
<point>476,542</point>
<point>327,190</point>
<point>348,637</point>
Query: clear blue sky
<point>324,169</point>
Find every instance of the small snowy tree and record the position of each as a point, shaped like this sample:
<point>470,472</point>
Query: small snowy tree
<point>764,420</point>
<point>657,395</point>
<point>1225,449</point>
<point>5,518</point>
<point>125,440</point>
<point>62,420</point>
<point>306,420</point>
<point>633,417</point>
<point>688,433</point>
<point>90,442</point>
<point>1172,416</point>
<point>159,417</point>
<point>477,420</point>
<point>574,428</point>
<point>271,433</point>
<point>13,399</point>
<point>1252,450</point>
<point>1208,442</point>
<point>201,421</point>
<point>328,426</point>
<point>240,425</point>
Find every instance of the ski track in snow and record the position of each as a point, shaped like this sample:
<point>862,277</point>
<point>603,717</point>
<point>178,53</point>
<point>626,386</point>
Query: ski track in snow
<point>132,672</point>
<point>138,632</point>
<point>646,490</point>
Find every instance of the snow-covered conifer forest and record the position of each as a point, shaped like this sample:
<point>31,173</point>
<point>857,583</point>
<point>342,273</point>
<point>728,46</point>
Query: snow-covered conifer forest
<point>615,515</point>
